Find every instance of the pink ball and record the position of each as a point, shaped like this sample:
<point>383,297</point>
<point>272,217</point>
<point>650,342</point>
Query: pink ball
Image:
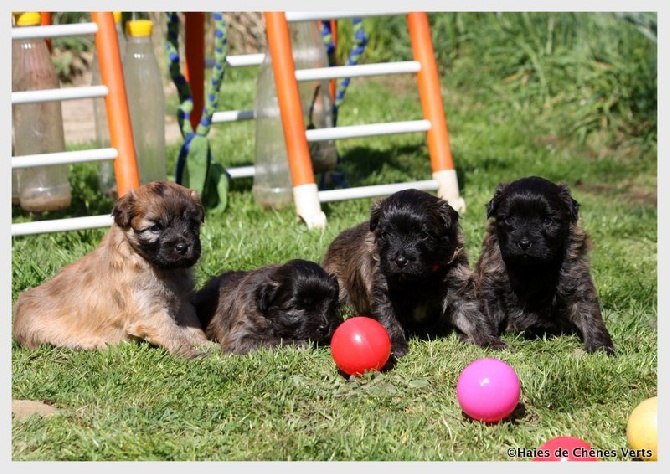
<point>488,390</point>
<point>566,448</point>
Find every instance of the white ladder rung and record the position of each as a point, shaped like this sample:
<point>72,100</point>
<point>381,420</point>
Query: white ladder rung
<point>66,157</point>
<point>375,190</point>
<point>65,93</point>
<point>53,31</point>
<point>241,172</point>
<point>368,130</point>
<point>61,225</point>
<point>243,60</point>
<point>313,16</point>
<point>363,70</point>
<point>233,116</point>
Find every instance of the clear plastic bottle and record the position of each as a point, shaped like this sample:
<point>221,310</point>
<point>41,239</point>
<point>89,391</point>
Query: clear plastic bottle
<point>38,127</point>
<point>106,177</point>
<point>146,100</point>
<point>272,186</point>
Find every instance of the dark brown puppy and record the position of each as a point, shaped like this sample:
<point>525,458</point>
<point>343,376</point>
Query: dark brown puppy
<point>293,303</point>
<point>407,268</point>
<point>533,274</point>
<point>136,285</point>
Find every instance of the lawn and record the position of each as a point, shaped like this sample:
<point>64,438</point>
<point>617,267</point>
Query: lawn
<point>137,402</point>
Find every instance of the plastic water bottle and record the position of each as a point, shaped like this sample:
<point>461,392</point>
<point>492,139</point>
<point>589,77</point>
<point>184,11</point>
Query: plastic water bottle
<point>146,100</point>
<point>38,127</point>
<point>272,185</point>
<point>106,177</point>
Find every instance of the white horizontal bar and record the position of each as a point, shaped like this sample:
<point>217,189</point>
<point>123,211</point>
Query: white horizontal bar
<point>66,157</point>
<point>52,31</point>
<point>233,116</point>
<point>375,190</point>
<point>311,16</point>
<point>244,60</point>
<point>378,69</point>
<point>241,172</point>
<point>61,225</point>
<point>65,93</point>
<point>358,131</point>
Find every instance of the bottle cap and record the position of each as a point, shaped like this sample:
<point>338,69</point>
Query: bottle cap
<point>139,27</point>
<point>117,17</point>
<point>27,18</point>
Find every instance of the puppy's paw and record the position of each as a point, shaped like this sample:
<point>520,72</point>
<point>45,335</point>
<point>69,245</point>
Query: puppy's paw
<point>595,347</point>
<point>499,345</point>
<point>399,349</point>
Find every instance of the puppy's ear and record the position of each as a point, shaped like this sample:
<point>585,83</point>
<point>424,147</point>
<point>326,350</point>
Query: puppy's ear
<point>124,210</point>
<point>265,295</point>
<point>336,284</point>
<point>492,206</point>
<point>198,205</point>
<point>448,213</point>
<point>375,214</point>
<point>573,206</point>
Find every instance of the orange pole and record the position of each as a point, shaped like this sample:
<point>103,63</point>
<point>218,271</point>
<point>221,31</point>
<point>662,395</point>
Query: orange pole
<point>333,82</point>
<point>429,90</point>
<point>293,121</point>
<point>46,20</point>
<point>194,70</point>
<point>120,132</point>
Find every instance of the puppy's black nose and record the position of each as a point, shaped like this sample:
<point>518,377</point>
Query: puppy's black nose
<point>181,247</point>
<point>525,244</point>
<point>401,260</point>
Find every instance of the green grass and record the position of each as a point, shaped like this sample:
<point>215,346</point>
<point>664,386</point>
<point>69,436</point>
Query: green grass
<point>136,402</point>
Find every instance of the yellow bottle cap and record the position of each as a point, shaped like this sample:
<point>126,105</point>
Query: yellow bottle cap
<point>117,17</point>
<point>27,18</point>
<point>139,27</point>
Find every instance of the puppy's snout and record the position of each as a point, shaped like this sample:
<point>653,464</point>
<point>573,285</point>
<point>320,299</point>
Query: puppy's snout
<point>525,244</point>
<point>400,260</point>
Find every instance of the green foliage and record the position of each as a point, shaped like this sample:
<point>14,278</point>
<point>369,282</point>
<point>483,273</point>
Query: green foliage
<point>136,402</point>
<point>595,71</point>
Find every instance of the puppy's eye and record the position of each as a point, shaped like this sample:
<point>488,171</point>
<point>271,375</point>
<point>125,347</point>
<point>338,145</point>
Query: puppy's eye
<point>509,220</point>
<point>156,228</point>
<point>423,235</point>
<point>547,221</point>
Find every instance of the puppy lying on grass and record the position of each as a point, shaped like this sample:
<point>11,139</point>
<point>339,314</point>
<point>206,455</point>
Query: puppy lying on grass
<point>137,284</point>
<point>407,268</point>
<point>533,275</point>
<point>294,303</point>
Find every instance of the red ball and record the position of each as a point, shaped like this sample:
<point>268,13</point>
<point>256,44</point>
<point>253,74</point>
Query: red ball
<point>566,448</point>
<point>359,344</point>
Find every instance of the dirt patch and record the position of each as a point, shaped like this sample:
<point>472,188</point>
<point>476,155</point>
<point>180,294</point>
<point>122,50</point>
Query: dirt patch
<point>23,409</point>
<point>633,192</point>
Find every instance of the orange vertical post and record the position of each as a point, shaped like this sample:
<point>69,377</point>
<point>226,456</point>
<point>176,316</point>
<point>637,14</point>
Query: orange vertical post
<point>333,83</point>
<point>194,70</point>
<point>288,96</point>
<point>429,90</point>
<point>46,20</point>
<point>120,131</point>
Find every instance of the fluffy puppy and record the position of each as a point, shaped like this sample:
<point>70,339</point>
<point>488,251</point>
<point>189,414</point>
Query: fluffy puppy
<point>533,275</point>
<point>294,303</point>
<point>136,285</point>
<point>407,268</point>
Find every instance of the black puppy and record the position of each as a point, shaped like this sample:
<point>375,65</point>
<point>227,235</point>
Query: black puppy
<point>533,274</point>
<point>293,303</point>
<point>407,268</point>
